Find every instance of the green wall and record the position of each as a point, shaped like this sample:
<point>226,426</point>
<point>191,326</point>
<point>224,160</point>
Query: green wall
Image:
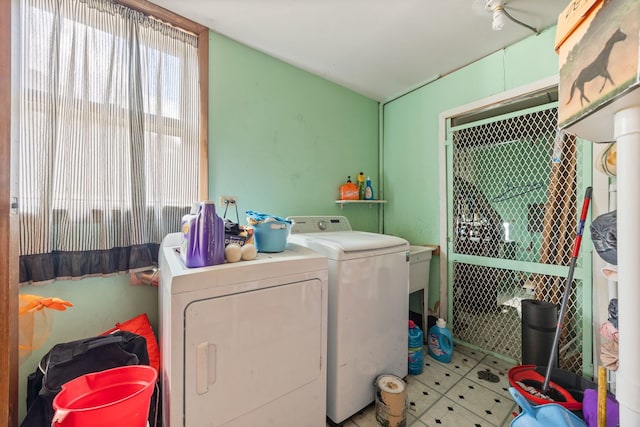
<point>411,136</point>
<point>281,139</point>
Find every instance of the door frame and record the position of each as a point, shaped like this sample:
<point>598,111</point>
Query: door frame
<point>8,231</point>
<point>445,117</point>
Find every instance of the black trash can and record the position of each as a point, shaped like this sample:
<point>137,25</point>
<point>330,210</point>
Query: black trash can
<point>539,320</point>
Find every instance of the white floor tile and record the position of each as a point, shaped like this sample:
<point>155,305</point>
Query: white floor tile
<point>496,363</point>
<point>480,400</point>
<point>507,420</point>
<point>462,360</point>
<point>446,413</point>
<point>366,417</point>
<point>437,376</point>
<point>413,421</point>
<point>460,350</point>
<point>501,387</point>
<point>420,397</point>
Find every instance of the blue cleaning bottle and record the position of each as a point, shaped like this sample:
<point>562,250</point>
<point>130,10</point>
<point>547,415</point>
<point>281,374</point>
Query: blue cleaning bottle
<point>416,350</point>
<point>368,190</point>
<point>440,342</point>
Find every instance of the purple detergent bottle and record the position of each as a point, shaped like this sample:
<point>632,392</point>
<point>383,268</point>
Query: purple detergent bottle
<point>202,237</point>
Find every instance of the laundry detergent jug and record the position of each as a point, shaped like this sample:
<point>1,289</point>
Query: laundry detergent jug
<point>440,342</point>
<point>202,237</point>
<point>416,351</point>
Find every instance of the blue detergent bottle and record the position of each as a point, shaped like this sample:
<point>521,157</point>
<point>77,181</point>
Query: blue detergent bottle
<point>416,350</point>
<point>368,190</point>
<point>440,342</point>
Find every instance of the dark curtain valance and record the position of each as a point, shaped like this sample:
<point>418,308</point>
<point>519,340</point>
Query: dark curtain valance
<point>44,268</point>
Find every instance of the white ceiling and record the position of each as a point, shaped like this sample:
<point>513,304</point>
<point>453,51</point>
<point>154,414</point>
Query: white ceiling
<point>378,48</point>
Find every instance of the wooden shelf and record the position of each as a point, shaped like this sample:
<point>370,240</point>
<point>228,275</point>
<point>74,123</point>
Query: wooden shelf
<point>360,202</point>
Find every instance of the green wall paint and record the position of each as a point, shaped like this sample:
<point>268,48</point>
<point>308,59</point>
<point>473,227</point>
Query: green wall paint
<point>411,136</point>
<point>283,140</point>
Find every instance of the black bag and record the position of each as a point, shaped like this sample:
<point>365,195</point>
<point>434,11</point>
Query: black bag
<point>604,235</point>
<point>232,229</point>
<point>67,361</point>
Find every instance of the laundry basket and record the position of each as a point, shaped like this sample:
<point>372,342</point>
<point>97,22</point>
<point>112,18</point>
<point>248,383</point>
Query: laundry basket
<point>115,397</point>
<point>271,236</point>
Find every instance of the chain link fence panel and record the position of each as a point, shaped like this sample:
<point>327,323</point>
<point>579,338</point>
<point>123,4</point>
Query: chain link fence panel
<point>514,198</point>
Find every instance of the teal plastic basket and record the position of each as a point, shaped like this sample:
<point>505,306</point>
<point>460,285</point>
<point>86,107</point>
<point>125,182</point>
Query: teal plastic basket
<point>548,415</point>
<point>271,236</point>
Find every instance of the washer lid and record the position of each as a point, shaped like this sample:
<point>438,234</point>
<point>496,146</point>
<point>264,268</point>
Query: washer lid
<point>337,244</point>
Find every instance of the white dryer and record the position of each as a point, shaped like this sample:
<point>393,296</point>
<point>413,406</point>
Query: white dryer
<point>368,308</point>
<point>243,344</point>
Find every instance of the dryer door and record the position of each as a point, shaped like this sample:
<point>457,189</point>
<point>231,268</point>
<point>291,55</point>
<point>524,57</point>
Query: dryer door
<point>245,350</point>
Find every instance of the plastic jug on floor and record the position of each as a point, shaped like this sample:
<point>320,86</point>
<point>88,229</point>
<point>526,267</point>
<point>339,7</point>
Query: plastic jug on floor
<point>416,350</point>
<point>440,342</point>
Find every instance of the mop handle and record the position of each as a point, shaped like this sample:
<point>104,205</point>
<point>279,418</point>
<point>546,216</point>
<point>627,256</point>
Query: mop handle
<point>567,288</point>
<point>583,217</point>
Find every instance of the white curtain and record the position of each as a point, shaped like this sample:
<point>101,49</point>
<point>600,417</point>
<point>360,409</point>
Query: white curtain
<point>109,137</point>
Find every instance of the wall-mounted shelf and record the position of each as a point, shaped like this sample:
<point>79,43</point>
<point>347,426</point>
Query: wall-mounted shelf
<point>360,202</point>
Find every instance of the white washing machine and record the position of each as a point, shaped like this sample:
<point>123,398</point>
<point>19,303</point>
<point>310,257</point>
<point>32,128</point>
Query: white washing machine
<point>244,344</point>
<point>368,308</point>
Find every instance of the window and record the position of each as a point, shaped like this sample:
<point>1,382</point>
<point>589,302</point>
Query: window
<point>110,137</point>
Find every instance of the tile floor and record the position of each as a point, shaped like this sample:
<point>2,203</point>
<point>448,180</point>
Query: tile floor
<point>454,394</point>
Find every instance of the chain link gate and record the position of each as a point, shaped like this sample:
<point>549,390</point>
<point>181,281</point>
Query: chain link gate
<point>513,186</point>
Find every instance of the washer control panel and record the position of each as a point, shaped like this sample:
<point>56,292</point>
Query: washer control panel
<point>318,224</point>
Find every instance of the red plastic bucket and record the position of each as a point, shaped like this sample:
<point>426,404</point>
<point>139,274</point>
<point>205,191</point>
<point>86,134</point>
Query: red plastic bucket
<point>115,397</point>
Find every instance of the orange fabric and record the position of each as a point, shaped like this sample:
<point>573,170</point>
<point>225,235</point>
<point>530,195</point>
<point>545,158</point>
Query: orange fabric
<point>30,303</point>
<point>140,325</point>
<point>34,322</point>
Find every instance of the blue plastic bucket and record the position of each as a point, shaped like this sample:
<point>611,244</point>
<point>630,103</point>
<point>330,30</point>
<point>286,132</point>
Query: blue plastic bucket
<point>271,236</point>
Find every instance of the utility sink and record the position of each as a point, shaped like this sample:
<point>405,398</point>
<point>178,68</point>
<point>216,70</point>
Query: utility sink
<point>419,262</point>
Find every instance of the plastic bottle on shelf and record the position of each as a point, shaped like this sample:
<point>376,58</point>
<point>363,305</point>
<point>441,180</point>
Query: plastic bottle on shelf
<point>361,186</point>
<point>349,190</point>
<point>440,342</point>
<point>368,190</point>
<point>416,350</point>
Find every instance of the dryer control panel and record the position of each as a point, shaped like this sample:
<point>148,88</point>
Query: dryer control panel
<point>318,224</point>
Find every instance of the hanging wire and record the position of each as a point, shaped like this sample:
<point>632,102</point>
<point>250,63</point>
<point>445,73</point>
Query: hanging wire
<point>518,21</point>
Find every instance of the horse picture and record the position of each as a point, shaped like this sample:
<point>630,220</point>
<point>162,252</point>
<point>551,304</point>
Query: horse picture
<point>598,67</point>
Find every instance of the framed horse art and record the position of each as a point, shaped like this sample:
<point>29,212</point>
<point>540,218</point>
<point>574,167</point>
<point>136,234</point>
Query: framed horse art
<point>597,42</point>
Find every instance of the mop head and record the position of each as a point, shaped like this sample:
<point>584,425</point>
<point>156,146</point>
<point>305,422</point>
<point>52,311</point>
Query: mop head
<point>533,391</point>
<point>526,380</point>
